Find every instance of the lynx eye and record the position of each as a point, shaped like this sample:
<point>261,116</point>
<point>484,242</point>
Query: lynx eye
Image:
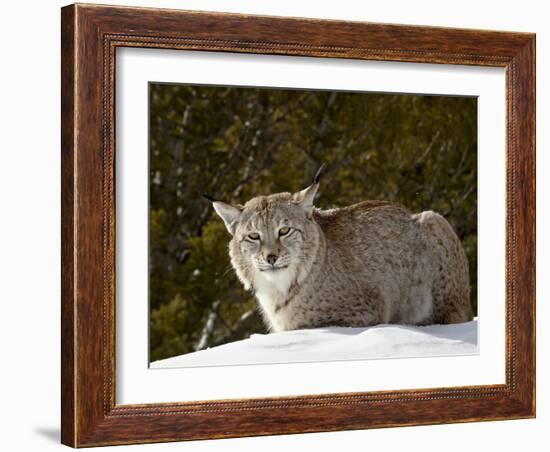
<point>254,236</point>
<point>284,231</point>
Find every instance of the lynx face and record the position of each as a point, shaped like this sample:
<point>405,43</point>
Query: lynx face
<point>274,238</point>
<point>271,238</point>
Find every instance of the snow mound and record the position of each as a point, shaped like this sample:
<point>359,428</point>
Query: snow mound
<point>336,343</point>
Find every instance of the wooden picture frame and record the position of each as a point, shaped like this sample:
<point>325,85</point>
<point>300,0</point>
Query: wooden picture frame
<point>90,36</point>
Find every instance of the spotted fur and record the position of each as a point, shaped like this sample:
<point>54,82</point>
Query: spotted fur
<point>368,263</point>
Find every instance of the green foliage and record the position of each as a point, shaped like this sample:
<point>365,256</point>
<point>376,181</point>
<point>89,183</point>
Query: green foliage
<point>236,143</point>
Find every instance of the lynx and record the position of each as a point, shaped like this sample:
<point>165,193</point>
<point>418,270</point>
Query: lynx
<point>361,265</point>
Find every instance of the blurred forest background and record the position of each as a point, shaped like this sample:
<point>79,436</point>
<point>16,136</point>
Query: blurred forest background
<point>236,143</point>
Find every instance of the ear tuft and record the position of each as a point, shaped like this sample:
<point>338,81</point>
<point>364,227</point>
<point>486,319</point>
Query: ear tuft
<point>318,173</point>
<point>210,198</point>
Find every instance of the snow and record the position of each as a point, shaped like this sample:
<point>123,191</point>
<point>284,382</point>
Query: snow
<point>336,343</point>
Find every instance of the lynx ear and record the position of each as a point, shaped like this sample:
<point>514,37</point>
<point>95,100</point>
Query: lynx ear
<point>228,213</point>
<point>305,197</point>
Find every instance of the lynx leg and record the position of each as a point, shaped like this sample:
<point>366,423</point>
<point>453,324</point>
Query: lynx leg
<point>451,282</point>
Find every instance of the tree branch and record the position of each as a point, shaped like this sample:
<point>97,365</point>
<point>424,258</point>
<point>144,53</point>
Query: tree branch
<point>209,327</point>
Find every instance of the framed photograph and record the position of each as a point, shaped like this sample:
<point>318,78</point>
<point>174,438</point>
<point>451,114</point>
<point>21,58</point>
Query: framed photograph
<point>282,225</point>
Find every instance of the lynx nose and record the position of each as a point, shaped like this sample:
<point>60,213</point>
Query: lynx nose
<point>271,259</point>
